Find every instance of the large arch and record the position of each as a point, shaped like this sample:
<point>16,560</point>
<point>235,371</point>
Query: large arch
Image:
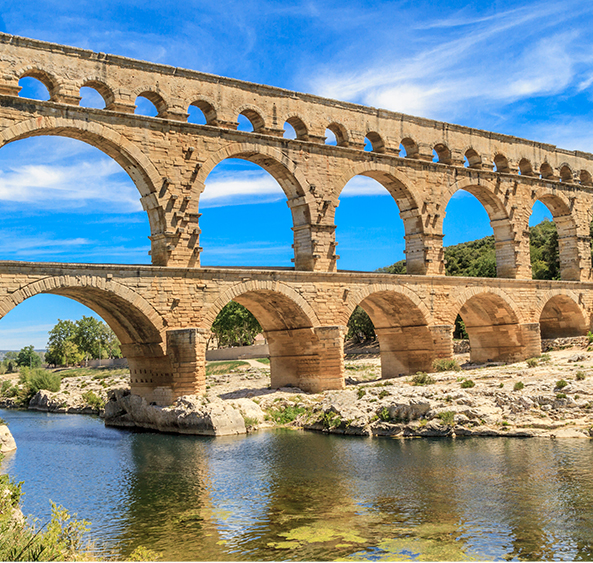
<point>401,324</point>
<point>138,166</point>
<point>407,200</point>
<point>293,184</point>
<point>495,325</point>
<point>561,316</point>
<point>302,354</point>
<point>504,236</point>
<point>568,240</point>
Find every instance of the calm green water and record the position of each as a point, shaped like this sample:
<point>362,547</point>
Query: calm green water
<point>284,495</point>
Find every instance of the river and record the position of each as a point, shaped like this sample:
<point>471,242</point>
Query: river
<point>292,495</point>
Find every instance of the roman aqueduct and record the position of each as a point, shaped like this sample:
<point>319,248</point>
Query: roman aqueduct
<point>162,313</point>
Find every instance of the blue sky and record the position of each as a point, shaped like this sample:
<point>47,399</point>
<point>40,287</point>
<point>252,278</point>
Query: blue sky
<point>521,68</point>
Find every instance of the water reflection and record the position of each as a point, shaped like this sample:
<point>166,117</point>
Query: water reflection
<point>302,496</point>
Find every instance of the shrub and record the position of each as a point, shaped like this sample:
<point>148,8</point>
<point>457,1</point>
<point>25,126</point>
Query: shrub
<point>560,395</point>
<point>360,392</point>
<point>250,421</point>
<point>561,384</point>
<point>518,386</point>
<point>467,384</point>
<point>422,378</point>
<point>287,414</point>
<point>531,362</point>
<point>444,364</point>
<point>383,393</point>
<point>590,337</point>
<point>6,385</point>
<point>580,375</point>
<point>384,414</point>
<point>501,384</point>
<point>545,357</point>
<point>92,400</point>
<point>447,417</point>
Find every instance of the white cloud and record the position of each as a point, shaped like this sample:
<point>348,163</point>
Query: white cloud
<point>363,186</point>
<point>242,188</point>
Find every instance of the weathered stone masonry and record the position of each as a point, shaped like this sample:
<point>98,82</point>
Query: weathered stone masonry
<point>162,314</point>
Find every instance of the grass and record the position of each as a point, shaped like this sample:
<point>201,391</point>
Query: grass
<point>518,386</point>
<point>531,362</point>
<point>287,414</point>
<point>92,400</point>
<point>360,393</point>
<point>467,384</point>
<point>219,368</point>
<point>444,364</point>
<point>263,361</point>
<point>97,373</point>
<point>580,375</point>
<point>422,378</point>
<point>561,384</point>
<point>447,417</point>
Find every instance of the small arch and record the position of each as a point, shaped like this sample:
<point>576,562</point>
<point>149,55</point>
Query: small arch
<point>410,148</point>
<point>254,117</point>
<point>561,317</point>
<point>375,141</point>
<point>474,160</point>
<point>546,171</point>
<point>300,129</point>
<point>100,88</point>
<point>525,167</point>
<point>207,110</point>
<point>585,178</point>
<point>160,106</point>
<point>443,153</point>
<point>501,164</point>
<point>340,133</point>
<point>42,79</point>
<point>566,174</point>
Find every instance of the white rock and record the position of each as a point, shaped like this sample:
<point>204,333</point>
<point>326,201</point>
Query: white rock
<point>7,443</point>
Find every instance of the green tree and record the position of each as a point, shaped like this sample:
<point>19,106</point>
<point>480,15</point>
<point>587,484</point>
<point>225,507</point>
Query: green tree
<point>28,357</point>
<point>235,326</point>
<point>360,326</point>
<point>61,338</point>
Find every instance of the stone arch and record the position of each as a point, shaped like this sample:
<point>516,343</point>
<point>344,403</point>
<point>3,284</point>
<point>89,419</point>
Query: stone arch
<point>306,314</point>
<point>105,91</point>
<point>411,147</point>
<point>207,106</point>
<point>566,174</point>
<point>133,319</point>
<point>271,159</point>
<point>155,97</point>
<point>485,192</point>
<point>546,171</point>
<point>525,167</point>
<point>401,325</point>
<point>502,164</point>
<point>341,133</point>
<point>302,353</point>
<point>560,315</point>
<point>474,160</point>
<point>299,126</point>
<point>49,80</point>
<point>566,225</point>
<point>125,153</point>
<point>495,326</point>
<point>443,153</point>
<point>585,178</point>
<point>255,116</point>
<point>377,142</point>
<point>406,198</point>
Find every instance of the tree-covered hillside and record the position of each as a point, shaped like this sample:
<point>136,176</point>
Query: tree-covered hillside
<point>477,258</point>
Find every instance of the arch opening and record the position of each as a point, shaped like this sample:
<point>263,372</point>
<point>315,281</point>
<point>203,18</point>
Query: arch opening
<point>494,331</point>
<point>374,142</point>
<point>35,86</point>
<point>96,94</point>
<point>370,230</point>
<point>201,113</point>
<point>150,104</point>
<point>546,171</point>
<point>405,341</point>
<point>525,167</point>
<point>250,121</point>
<point>553,244</point>
<point>501,164</point>
<point>410,148</point>
<point>474,160</point>
<point>61,199</point>
<point>566,174</point>
<point>247,190</point>
<point>477,235</point>
<point>443,153</point>
<point>299,129</point>
<point>336,134</point>
<point>561,317</point>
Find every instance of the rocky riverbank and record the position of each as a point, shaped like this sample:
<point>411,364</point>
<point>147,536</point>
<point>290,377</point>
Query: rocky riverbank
<point>549,396</point>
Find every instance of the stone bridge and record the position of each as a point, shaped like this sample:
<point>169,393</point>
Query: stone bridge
<point>162,313</point>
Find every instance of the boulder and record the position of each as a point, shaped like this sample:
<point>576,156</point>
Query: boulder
<point>7,443</point>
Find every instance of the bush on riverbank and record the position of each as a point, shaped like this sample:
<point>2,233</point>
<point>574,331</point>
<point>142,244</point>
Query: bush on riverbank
<point>34,380</point>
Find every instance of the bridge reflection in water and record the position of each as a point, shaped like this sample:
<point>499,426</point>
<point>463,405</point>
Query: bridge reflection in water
<point>162,313</point>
